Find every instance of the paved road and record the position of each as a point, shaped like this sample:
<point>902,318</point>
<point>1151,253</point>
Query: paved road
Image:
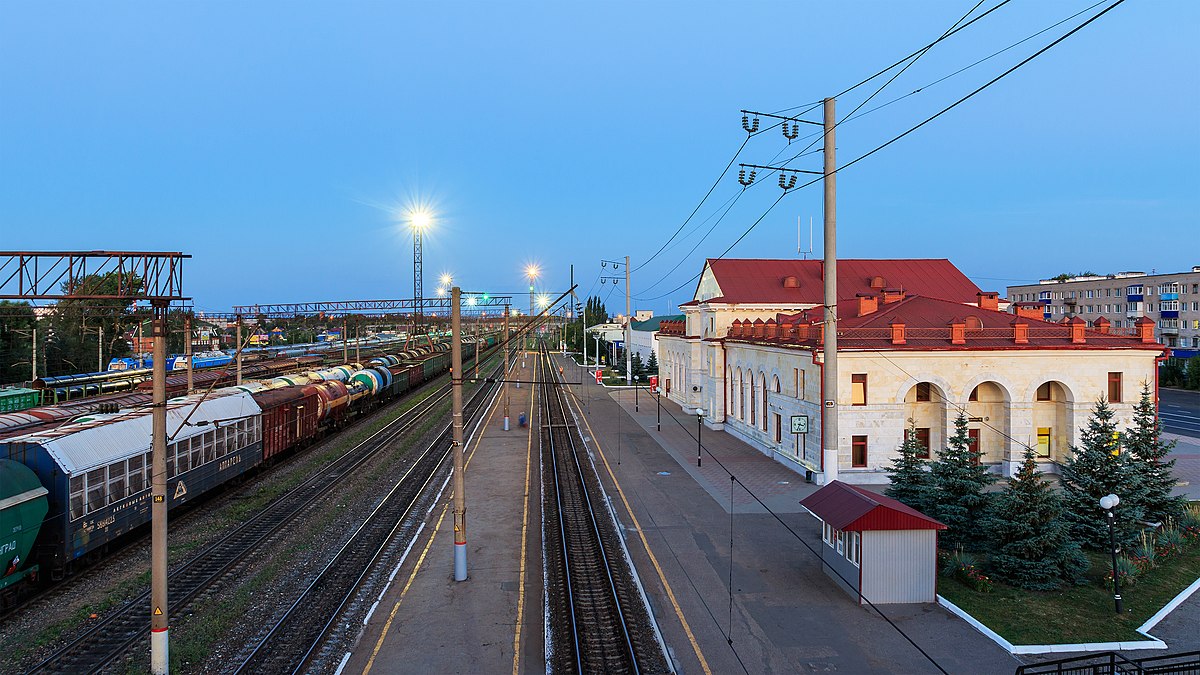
<point>1180,411</point>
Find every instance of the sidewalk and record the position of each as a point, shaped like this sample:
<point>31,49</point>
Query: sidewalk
<point>785,615</point>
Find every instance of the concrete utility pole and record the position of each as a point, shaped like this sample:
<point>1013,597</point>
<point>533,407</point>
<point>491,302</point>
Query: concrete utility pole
<point>506,347</point>
<point>628,328</point>
<point>239,349</point>
<point>187,350</point>
<point>345,342</point>
<point>33,361</point>
<point>159,659</point>
<point>357,341</point>
<point>829,413</point>
<point>456,373</point>
<point>100,350</point>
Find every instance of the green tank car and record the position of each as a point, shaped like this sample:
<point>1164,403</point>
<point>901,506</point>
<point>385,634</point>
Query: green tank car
<point>23,506</point>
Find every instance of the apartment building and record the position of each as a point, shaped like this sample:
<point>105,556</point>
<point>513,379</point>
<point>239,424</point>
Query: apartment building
<point>1171,300</point>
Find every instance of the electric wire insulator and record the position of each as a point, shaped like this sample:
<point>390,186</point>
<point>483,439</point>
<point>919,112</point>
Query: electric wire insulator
<point>787,182</point>
<point>792,133</point>
<point>749,126</point>
<point>743,179</point>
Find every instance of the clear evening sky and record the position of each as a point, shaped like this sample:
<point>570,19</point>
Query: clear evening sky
<point>280,143</point>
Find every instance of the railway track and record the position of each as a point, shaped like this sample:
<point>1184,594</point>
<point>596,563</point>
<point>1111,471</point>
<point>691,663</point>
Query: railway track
<point>111,638</point>
<point>598,620</point>
<point>295,641</point>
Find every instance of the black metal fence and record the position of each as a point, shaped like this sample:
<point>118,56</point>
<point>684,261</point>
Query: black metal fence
<point>1112,663</point>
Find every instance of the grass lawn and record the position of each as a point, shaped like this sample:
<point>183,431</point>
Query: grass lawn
<point>1077,613</point>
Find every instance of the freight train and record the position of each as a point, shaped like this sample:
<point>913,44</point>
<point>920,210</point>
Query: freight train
<point>91,475</point>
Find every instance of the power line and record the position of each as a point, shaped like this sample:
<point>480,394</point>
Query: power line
<point>901,61</point>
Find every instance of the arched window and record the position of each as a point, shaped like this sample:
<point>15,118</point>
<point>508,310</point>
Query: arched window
<point>762,379</point>
<point>729,397</point>
<point>741,386</point>
<point>753,407</point>
<point>775,384</point>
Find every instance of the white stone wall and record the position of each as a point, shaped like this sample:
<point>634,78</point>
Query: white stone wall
<point>1007,414</point>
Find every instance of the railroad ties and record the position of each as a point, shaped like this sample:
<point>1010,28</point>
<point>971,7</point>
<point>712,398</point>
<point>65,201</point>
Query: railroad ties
<point>598,621</point>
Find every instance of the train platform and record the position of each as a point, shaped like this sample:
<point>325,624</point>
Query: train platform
<point>694,535</point>
<point>493,622</point>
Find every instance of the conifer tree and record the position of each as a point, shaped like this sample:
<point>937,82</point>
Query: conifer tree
<point>958,480</point>
<point>910,480</point>
<point>1030,541</point>
<point>1098,467</point>
<point>652,364</point>
<point>1148,454</point>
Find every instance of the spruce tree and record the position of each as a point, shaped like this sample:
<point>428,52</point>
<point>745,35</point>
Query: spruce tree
<point>652,364</point>
<point>1148,454</point>
<point>910,480</point>
<point>958,480</point>
<point>1030,541</point>
<point>1097,467</point>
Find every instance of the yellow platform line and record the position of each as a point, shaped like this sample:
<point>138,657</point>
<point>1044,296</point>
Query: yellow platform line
<point>387,627</point>
<point>646,544</point>
<point>524,535</point>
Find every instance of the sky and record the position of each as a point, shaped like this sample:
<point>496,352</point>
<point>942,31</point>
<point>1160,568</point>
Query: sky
<point>283,144</point>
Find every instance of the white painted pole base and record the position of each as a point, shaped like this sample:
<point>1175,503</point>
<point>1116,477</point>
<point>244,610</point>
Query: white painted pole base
<point>160,662</point>
<point>460,562</point>
<point>506,422</point>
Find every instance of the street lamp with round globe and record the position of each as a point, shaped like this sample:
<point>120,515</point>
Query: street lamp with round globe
<point>699,430</point>
<point>1108,503</point>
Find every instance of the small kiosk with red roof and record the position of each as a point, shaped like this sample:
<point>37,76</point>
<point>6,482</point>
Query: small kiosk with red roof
<point>880,547</point>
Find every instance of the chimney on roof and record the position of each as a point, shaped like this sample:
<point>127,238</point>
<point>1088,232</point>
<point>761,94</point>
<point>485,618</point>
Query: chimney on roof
<point>878,283</point>
<point>867,303</point>
<point>1029,310</point>
<point>989,300</point>
<point>891,295</point>
<point>958,332</point>
<point>791,282</point>
<point>1145,328</point>
<point>1077,325</point>
<point>735,328</point>
<point>1020,330</point>
<point>1101,325</point>
<point>759,328</point>
<point>897,332</point>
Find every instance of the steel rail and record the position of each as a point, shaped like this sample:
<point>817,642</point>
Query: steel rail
<point>352,553</point>
<point>112,637</point>
<point>557,421</point>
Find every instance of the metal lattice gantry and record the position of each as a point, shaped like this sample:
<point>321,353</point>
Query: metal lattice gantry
<point>59,275</point>
<point>471,300</point>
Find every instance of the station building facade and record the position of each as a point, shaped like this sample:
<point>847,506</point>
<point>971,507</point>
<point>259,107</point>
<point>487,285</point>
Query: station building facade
<point>918,342</point>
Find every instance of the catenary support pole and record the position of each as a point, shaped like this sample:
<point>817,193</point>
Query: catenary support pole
<point>460,502</point>
<point>100,350</point>
<point>239,349</point>
<point>159,659</point>
<point>187,350</point>
<point>507,350</point>
<point>628,327</point>
<point>357,341</point>
<point>33,361</point>
<point>345,342</point>
<point>829,411</point>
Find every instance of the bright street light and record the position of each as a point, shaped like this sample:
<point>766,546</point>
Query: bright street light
<point>447,280</point>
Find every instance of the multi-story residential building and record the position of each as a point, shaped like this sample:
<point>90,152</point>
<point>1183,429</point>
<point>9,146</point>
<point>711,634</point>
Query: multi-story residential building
<point>1171,300</point>
<point>918,343</point>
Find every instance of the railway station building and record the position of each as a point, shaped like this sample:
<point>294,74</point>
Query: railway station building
<point>918,342</point>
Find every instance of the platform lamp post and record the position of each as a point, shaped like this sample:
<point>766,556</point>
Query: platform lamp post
<point>1108,503</point>
<point>456,377</point>
<point>699,430</point>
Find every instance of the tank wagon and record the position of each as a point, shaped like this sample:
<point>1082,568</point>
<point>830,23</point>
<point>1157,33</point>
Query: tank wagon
<point>23,505</point>
<point>93,467</point>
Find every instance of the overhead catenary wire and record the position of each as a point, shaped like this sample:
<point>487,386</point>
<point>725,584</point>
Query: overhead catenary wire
<point>912,129</point>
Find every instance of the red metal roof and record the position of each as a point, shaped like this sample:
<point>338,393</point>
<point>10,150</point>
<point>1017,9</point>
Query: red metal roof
<point>927,327</point>
<point>761,281</point>
<point>853,509</point>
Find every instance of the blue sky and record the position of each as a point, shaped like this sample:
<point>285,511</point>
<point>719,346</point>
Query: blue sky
<point>280,143</point>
